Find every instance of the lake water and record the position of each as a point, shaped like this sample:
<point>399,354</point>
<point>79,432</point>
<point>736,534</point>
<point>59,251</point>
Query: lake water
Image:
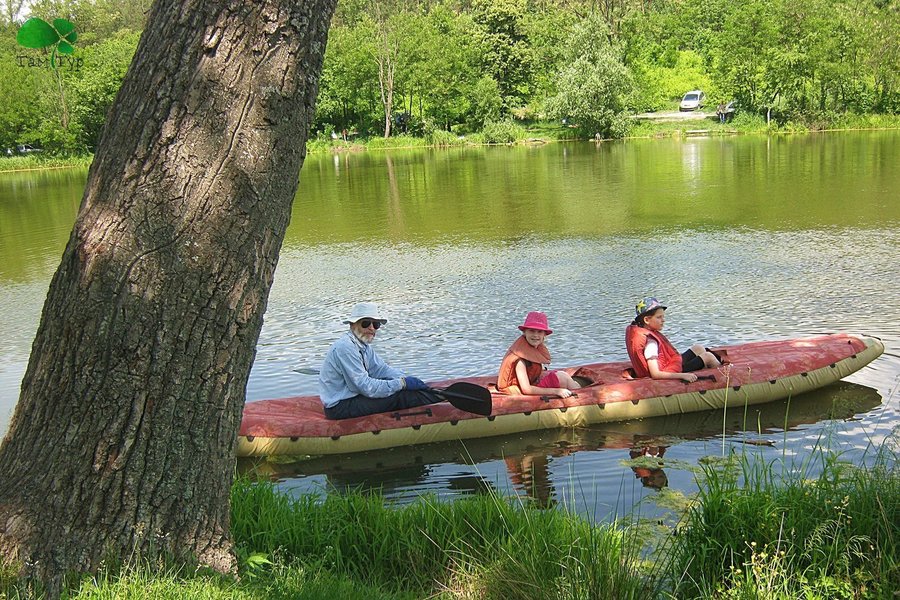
<point>744,238</point>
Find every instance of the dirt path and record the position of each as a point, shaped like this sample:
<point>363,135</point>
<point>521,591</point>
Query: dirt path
<point>664,116</point>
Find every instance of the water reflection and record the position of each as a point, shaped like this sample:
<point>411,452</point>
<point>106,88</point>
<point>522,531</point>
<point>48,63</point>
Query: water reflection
<point>529,460</point>
<point>796,235</point>
<point>649,470</point>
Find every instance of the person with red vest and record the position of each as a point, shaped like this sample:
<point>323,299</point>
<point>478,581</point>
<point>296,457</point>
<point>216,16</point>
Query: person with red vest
<point>523,370</point>
<point>653,355</point>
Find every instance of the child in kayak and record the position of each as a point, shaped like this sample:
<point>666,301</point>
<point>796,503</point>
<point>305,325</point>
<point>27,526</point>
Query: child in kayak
<point>523,370</point>
<point>653,355</point>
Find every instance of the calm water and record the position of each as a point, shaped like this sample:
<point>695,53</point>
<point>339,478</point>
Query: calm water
<point>744,238</point>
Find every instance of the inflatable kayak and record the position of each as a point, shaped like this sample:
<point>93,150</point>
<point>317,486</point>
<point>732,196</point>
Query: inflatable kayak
<point>754,373</point>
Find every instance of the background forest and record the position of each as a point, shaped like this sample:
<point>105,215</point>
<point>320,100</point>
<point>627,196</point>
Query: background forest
<point>445,68</point>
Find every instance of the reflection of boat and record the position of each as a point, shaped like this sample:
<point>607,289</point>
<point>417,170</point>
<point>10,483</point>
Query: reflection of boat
<point>758,372</point>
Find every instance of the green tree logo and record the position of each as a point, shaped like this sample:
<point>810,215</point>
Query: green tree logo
<point>37,33</point>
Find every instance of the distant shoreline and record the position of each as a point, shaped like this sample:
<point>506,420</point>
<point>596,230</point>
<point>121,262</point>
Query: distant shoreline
<point>649,126</point>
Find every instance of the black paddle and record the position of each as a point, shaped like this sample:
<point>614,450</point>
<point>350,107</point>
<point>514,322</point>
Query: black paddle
<point>468,397</point>
<point>462,395</point>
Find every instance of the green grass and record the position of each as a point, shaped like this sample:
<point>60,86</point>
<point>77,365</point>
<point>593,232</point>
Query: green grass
<point>32,162</point>
<point>756,533</point>
<point>483,547</point>
<point>752,532</point>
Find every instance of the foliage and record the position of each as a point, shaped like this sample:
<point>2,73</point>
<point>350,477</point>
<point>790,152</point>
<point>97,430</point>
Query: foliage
<point>501,132</point>
<point>806,64</point>
<point>593,85</point>
<point>484,547</point>
<point>507,53</point>
<point>766,535</point>
<point>487,103</point>
<point>95,89</point>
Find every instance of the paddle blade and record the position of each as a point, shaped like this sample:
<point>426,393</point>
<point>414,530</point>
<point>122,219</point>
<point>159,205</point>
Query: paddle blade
<point>305,371</point>
<point>469,397</point>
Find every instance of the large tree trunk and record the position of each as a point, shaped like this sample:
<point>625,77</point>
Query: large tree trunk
<point>122,442</point>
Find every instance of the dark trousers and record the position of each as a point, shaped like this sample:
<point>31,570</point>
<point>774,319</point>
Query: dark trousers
<point>360,406</point>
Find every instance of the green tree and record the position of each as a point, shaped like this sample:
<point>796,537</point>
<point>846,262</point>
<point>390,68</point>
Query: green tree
<point>506,52</point>
<point>877,24</point>
<point>742,64</point>
<point>445,73</point>
<point>348,93</point>
<point>592,88</point>
<point>96,83</point>
<point>20,115</point>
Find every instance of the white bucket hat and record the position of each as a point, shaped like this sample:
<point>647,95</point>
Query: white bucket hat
<point>365,310</point>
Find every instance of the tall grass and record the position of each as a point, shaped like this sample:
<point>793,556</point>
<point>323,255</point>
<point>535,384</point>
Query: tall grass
<point>33,162</point>
<point>484,547</point>
<point>758,532</point>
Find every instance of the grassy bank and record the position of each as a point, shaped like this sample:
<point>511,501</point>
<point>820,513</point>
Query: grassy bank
<point>745,123</point>
<point>541,131</point>
<point>34,162</point>
<point>510,132</point>
<point>755,534</point>
<point>751,533</point>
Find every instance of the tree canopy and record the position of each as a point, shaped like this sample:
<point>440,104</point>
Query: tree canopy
<point>458,65</point>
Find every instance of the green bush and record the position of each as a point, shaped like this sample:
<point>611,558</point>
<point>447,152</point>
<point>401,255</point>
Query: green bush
<point>502,132</point>
<point>442,137</point>
<point>395,141</point>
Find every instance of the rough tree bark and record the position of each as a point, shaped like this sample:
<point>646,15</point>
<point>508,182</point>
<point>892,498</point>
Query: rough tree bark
<point>122,442</point>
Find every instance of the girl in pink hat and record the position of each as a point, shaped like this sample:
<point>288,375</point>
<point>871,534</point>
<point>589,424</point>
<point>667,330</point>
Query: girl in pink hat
<point>523,370</point>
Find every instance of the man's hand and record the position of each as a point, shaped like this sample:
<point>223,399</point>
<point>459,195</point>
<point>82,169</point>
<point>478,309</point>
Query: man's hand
<point>414,383</point>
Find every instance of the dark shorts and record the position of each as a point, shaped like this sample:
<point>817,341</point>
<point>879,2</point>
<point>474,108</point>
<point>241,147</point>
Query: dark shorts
<point>360,406</point>
<point>691,362</point>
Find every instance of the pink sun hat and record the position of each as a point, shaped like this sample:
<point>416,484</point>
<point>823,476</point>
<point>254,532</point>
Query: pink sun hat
<point>536,320</point>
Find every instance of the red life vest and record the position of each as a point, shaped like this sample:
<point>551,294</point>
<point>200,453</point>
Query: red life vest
<point>669,358</point>
<point>534,358</point>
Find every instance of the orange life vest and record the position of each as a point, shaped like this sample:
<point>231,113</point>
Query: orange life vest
<point>669,358</point>
<point>534,359</point>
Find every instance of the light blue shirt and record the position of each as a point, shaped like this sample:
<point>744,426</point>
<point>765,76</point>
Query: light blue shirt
<point>352,368</point>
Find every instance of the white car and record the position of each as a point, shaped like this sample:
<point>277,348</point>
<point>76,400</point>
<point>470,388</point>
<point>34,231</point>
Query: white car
<point>692,100</point>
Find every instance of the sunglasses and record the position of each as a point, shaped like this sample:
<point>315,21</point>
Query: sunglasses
<point>366,323</point>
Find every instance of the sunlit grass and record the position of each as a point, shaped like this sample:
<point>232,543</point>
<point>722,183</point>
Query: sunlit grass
<point>34,162</point>
<point>758,532</point>
<point>484,547</point>
<point>753,531</point>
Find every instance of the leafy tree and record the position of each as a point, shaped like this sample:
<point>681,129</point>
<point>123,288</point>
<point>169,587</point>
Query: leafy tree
<point>20,115</point>
<point>506,52</point>
<point>593,86</point>
<point>548,29</point>
<point>742,65</point>
<point>877,26</point>
<point>445,75</point>
<point>94,88</point>
<point>487,103</point>
<point>348,93</point>
<point>140,362</point>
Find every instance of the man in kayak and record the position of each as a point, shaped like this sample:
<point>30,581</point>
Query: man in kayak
<point>653,355</point>
<point>355,382</point>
